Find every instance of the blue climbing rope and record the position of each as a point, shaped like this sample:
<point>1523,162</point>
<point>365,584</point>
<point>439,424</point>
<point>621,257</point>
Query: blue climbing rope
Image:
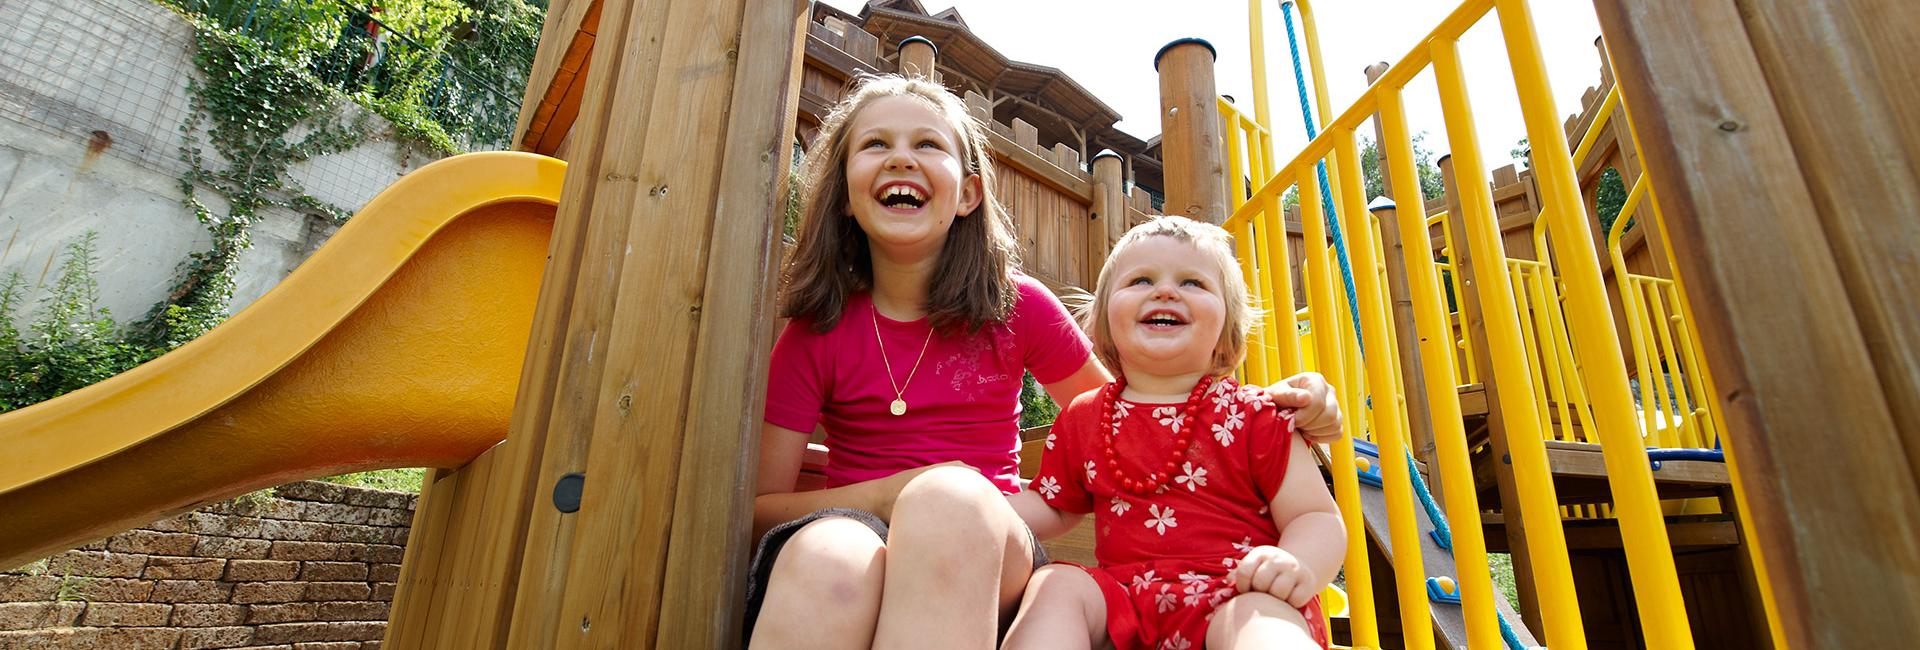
<point>1442,533</point>
<point>1320,170</point>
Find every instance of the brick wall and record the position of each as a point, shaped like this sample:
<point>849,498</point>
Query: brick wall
<point>311,569</point>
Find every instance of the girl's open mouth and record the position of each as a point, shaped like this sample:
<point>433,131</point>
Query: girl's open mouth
<point>901,196</point>
<point>1162,319</point>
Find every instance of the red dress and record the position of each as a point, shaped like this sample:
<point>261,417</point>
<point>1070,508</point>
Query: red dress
<point>1164,558</point>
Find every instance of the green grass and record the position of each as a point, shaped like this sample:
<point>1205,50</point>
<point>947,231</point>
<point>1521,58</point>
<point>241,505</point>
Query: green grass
<point>1502,566</point>
<point>398,480</point>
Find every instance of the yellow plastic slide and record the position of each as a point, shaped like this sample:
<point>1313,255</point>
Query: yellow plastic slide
<point>398,344</point>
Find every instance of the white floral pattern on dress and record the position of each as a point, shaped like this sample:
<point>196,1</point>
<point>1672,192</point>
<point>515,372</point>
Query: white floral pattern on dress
<point>1051,438</point>
<point>1165,601</point>
<point>1196,592</point>
<point>1120,506</point>
<point>1222,400</point>
<point>1192,477</point>
<point>1120,408</point>
<point>1244,546</point>
<point>1160,520</point>
<point>1255,398</point>
<point>1176,643</point>
<point>1090,472</point>
<point>1170,417</point>
<point>1142,581</point>
<point>1047,487</point>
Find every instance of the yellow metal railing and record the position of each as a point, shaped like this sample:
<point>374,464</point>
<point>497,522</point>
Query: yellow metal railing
<point>1560,328</point>
<point>1447,282</point>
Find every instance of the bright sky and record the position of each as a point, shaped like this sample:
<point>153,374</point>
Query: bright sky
<point>1108,47</point>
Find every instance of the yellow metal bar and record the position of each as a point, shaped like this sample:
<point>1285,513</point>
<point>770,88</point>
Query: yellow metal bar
<point>1539,512</point>
<point>1630,305</point>
<point>1327,353</point>
<point>1279,299</point>
<point>1257,42</point>
<point>1255,364</point>
<point>1517,272</point>
<point>1656,585</point>
<point>1593,130</point>
<point>1676,389</point>
<point>1267,336</point>
<point>1408,570</point>
<point>1236,166</point>
<point>1443,399</point>
<point>1396,76</point>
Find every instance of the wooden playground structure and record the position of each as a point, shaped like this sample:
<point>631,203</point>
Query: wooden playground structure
<point>1699,428</point>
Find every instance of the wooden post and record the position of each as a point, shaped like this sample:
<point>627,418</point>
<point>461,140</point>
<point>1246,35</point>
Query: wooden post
<point>1190,135</point>
<point>1474,324</point>
<point>646,366</point>
<point>1781,142</point>
<point>1109,216</point>
<point>1419,417</point>
<point>917,58</point>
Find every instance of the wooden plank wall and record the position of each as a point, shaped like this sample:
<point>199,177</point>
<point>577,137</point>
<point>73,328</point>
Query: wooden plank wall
<point>1781,138</point>
<point>1052,226</point>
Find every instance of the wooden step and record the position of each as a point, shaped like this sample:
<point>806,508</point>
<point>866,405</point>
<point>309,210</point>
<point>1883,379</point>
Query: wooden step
<point>1683,532</point>
<point>1580,475</point>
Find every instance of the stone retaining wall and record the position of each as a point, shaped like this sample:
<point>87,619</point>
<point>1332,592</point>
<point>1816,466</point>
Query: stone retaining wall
<point>312,568</point>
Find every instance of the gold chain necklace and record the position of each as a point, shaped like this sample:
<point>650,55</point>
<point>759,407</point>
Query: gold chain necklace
<point>899,405</point>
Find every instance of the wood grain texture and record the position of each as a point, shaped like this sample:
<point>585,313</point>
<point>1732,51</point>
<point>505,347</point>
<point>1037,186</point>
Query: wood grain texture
<point>1790,328</point>
<point>1196,175</point>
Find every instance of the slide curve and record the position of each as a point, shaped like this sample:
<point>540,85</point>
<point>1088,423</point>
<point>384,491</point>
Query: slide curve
<point>397,344</point>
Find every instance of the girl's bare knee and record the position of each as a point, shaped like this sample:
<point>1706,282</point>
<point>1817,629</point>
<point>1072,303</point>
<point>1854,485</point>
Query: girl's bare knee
<point>948,489</point>
<point>832,558</point>
<point>951,507</point>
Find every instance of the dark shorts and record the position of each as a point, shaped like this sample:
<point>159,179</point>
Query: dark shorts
<point>775,539</point>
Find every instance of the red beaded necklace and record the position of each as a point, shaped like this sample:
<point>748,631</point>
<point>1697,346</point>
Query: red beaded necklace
<point>1154,481</point>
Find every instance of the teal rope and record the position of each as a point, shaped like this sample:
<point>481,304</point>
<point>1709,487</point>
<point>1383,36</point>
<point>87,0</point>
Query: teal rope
<point>1443,534</point>
<point>1327,198</point>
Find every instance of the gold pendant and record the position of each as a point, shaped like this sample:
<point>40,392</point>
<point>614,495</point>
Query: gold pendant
<point>899,406</point>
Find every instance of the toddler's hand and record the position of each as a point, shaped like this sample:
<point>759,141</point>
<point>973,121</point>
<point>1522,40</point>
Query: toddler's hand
<point>1273,570</point>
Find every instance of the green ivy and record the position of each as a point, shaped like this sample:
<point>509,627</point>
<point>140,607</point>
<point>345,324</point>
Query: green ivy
<point>247,103</point>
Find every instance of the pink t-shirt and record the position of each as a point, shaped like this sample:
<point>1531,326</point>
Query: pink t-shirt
<point>963,402</point>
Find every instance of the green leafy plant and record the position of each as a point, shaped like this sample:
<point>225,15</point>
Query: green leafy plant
<point>72,341</point>
<point>1036,408</point>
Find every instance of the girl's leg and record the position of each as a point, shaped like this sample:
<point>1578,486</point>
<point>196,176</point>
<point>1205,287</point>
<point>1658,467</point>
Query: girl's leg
<point>1258,620</point>
<point>957,560</point>
<point>824,591</point>
<point>1063,608</point>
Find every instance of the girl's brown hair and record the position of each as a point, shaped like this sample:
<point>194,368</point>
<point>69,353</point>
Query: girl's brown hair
<point>972,282</point>
<point>1215,244</point>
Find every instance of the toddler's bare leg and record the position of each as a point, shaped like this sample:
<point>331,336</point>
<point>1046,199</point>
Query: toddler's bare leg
<point>1258,620</point>
<point>1063,608</point>
<point>824,591</point>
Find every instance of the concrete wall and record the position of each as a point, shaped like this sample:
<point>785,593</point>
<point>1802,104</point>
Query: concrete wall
<point>121,68</point>
<point>313,567</point>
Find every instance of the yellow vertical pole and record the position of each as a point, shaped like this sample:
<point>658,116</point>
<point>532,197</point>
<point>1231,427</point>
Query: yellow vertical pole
<point>1443,399</point>
<point>1328,353</point>
<point>1539,511</point>
<point>1316,68</point>
<point>1244,246</point>
<point>1656,584</point>
<point>1279,299</point>
<point>1408,570</point>
<point>1255,364</point>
